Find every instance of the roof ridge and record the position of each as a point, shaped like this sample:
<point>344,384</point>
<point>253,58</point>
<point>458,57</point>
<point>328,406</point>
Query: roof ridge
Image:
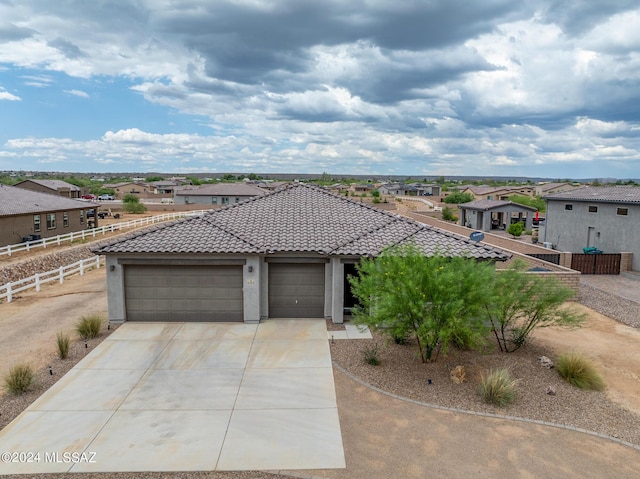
<point>209,219</point>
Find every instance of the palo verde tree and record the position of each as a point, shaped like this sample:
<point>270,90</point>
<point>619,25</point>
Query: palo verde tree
<point>522,301</point>
<point>437,299</point>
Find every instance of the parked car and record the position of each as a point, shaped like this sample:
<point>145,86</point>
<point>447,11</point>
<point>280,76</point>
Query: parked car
<point>88,197</point>
<point>101,214</point>
<point>106,197</point>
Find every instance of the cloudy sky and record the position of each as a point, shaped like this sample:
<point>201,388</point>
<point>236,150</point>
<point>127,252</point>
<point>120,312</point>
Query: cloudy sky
<point>548,88</point>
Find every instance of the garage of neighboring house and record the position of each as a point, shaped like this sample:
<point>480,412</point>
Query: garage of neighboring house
<point>296,290</point>
<point>183,293</point>
<point>286,254</point>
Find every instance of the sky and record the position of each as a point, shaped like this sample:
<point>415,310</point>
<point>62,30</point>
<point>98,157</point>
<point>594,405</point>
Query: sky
<point>548,89</point>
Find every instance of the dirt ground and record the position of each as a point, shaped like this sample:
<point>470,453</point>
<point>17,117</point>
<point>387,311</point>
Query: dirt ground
<point>29,324</point>
<point>614,347</point>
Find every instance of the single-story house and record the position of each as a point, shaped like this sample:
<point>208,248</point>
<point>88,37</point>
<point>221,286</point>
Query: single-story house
<point>216,194</point>
<point>361,187</point>
<point>398,189</point>
<point>498,193</point>
<point>162,187</point>
<point>24,213</point>
<point>427,189</point>
<point>129,188</point>
<point>286,254</point>
<point>551,188</point>
<point>53,187</point>
<point>604,217</point>
<point>487,215</point>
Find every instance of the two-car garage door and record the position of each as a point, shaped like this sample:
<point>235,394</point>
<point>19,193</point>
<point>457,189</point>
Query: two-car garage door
<point>183,293</point>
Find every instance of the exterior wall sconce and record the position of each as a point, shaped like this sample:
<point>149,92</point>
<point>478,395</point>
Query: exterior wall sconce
<point>112,268</point>
<point>250,268</point>
<point>598,234</point>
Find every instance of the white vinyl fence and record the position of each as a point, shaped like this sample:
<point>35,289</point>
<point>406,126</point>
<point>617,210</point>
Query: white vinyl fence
<point>8,290</point>
<point>57,240</point>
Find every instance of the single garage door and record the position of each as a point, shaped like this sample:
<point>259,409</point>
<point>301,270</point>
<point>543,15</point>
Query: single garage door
<point>183,293</point>
<point>296,290</point>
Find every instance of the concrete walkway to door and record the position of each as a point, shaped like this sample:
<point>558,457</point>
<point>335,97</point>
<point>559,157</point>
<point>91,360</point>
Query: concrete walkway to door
<point>188,397</point>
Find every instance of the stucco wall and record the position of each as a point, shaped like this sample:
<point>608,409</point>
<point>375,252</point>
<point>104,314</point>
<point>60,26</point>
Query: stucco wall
<point>572,230</point>
<point>14,228</point>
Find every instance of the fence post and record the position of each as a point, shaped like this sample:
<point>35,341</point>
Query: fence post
<point>58,239</point>
<point>27,246</point>
<point>9,250</point>
<point>61,270</point>
<point>9,294</point>
<point>82,268</point>
<point>94,232</point>
<point>38,282</point>
<point>97,262</point>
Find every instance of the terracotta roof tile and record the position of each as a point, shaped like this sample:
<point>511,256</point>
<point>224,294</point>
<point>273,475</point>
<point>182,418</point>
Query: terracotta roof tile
<point>297,218</point>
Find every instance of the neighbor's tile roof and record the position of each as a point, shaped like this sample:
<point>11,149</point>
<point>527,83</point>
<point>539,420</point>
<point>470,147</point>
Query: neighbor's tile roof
<point>607,194</point>
<point>53,184</point>
<point>297,218</point>
<point>221,189</point>
<point>485,205</point>
<point>19,201</point>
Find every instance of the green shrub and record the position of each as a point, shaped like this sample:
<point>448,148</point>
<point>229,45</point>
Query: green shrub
<point>580,371</point>
<point>89,326</point>
<point>515,229</point>
<point>63,342</point>
<point>447,214</point>
<point>459,197</point>
<point>19,379</point>
<point>131,204</point>
<point>498,387</point>
<point>370,354</point>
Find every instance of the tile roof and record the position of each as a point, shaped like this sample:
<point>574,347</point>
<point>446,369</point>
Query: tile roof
<point>19,201</point>
<point>53,184</point>
<point>221,189</point>
<point>607,194</point>
<point>485,205</point>
<point>297,219</point>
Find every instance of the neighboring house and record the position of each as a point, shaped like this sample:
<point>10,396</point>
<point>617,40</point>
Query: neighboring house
<point>427,189</point>
<point>24,213</point>
<point>283,255</point>
<point>498,193</point>
<point>129,188</point>
<point>487,215</point>
<point>216,194</point>
<point>167,186</point>
<point>52,187</point>
<point>361,187</point>
<point>551,188</point>
<point>397,189</point>
<point>605,217</point>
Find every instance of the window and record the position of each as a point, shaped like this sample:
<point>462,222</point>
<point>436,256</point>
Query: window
<point>65,219</point>
<point>81,217</point>
<point>51,221</point>
<point>593,209</point>
<point>237,200</point>
<point>214,200</point>
<point>186,200</point>
<point>36,223</point>
<point>225,200</point>
<point>568,207</point>
<point>622,211</point>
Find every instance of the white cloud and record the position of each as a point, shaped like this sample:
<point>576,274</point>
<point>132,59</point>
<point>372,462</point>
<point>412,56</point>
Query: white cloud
<point>5,95</point>
<point>80,93</point>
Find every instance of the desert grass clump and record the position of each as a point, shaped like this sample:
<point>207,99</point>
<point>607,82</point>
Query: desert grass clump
<point>370,354</point>
<point>63,342</point>
<point>19,379</point>
<point>497,387</point>
<point>89,326</point>
<point>579,371</point>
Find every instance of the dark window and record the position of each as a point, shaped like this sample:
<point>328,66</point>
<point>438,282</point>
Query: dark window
<point>36,223</point>
<point>81,217</point>
<point>622,211</point>
<point>51,221</point>
<point>65,219</point>
<point>225,200</point>
<point>214,200</point>
<point>568,207</point>
<point>593,209</point>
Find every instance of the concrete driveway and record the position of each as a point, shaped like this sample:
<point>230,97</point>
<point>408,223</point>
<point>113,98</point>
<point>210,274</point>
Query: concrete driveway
<point>187,397</point>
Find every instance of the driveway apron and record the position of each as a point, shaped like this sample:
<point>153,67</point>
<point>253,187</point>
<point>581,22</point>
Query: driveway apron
<point>187,397</point>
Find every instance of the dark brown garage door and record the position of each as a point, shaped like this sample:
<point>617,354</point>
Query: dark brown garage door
<point>296,290</point>
<point>183,293</point>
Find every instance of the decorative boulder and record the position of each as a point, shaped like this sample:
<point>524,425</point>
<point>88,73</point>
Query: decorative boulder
<point>546,362</point>
<point>551,391</point>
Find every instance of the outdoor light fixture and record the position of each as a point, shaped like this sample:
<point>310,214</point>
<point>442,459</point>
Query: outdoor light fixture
<point>598,234</point>
<point>112,267</point>
<point>250,269</point>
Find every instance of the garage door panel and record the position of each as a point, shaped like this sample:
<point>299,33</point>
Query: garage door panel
<point>183,293</point>
<point>296,290</point>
